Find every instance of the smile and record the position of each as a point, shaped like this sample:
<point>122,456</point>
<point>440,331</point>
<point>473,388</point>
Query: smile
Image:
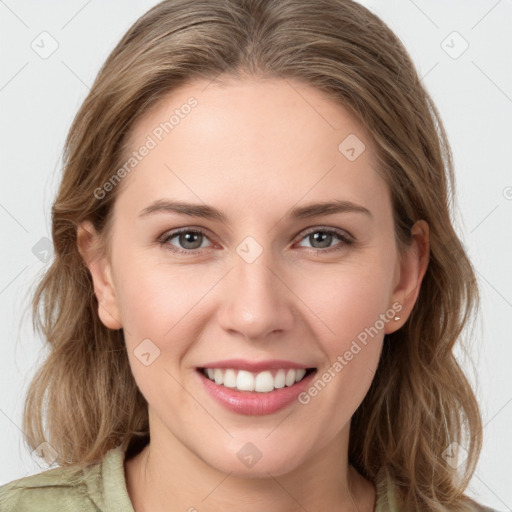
<point>250,393</point>
<point>262,382</point>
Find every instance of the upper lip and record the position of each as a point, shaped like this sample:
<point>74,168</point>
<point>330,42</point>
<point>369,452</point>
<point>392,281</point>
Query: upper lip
<point>255,366</point>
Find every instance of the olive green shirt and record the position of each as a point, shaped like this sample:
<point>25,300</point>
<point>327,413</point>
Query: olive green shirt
<point>102,488</point>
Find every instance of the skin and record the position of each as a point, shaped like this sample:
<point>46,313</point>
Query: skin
<point>254,149</point>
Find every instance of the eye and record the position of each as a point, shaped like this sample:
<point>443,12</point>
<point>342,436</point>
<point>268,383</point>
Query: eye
<point>321,239</point>
<point>190,239</point>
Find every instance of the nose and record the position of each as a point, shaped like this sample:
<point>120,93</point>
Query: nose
<point>256,300</point>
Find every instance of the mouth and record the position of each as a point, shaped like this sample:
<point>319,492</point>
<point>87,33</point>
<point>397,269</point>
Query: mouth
<point>256,382</point>
<point>261,392</point>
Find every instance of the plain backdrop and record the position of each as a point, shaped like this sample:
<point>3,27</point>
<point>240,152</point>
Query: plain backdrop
<point>462,50</point>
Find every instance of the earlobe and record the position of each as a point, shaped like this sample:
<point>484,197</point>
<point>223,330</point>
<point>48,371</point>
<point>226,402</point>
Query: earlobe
<point>412,269</point>
<point>89,247</point>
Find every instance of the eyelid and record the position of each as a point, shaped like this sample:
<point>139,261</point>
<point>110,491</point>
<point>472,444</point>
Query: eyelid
<point>338,231</point>
<point>344,235</point>
<point>167,235</point>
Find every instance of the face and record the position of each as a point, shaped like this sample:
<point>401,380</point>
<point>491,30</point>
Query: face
<point>266,278</point>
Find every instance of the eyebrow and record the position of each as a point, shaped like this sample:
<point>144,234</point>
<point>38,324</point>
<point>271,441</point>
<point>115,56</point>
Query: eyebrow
<point>209,212</point>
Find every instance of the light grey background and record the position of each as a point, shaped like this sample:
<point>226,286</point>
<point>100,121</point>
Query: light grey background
<point>473,91</point>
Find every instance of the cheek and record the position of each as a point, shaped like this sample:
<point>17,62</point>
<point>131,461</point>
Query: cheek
<point>160,301</point>
<point>350,303</point>
<point>350,333</point>
<point>157,303</point>
<point>348,299</point>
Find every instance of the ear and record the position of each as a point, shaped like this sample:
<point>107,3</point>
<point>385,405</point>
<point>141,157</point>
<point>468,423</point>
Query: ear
<point>409,273</point>
<point>88,243</point>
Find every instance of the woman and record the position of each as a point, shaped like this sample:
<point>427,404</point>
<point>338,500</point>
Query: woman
<point>257,286</point>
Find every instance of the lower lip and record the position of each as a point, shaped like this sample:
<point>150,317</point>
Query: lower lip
<point>253,403</point>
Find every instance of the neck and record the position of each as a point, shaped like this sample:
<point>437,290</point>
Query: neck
<point>167,476</point>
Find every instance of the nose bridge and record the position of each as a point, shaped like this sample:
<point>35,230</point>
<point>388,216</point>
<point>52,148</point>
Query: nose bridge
<point>256,302</point>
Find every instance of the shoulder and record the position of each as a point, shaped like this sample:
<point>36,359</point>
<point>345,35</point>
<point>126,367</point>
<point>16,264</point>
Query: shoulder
<point>95,488</point>
<point>61,488</point>
<point>53,489</point>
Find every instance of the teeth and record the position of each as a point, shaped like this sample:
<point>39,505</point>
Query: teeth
<point>245,381</point>
<point>262,382</point>
<point>218,376</point>
<point>230,379</point>
<point>279,379</point>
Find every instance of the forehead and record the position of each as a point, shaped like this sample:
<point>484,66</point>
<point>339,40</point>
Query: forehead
<point>262,140</point>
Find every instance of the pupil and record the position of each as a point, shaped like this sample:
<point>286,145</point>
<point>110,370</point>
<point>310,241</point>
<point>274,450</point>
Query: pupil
<point>322,236</point>
<point>189,237</point>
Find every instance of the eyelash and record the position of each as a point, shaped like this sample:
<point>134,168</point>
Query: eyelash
<point>347,241</point>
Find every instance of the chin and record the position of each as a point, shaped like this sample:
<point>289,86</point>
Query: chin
<point>251,462</point>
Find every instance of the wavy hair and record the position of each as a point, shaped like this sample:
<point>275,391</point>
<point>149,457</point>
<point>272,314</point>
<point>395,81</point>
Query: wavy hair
<point>420,401</point>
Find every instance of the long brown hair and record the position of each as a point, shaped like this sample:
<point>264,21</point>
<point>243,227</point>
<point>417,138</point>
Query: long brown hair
<point>420,401</point>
